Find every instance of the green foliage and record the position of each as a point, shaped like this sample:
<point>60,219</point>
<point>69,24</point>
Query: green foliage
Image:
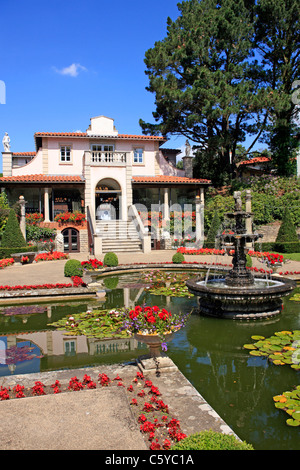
<point>111,282</point>
<point>36,233</point>
<point>93,324</point>
<point>178,258</point>
<point>211,440</point>
<point>110,259</point>
<point>7,252</point>
<point>203,83</point>
<point>73,267</point>
<point>287,239</point>
<point>4,210</point>
<point>277,39</point>
<point>12,235</point>
<point>213,231</point>
<point>279,348</point>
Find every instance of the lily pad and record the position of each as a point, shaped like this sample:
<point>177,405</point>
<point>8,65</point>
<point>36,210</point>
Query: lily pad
<point>292,422</point>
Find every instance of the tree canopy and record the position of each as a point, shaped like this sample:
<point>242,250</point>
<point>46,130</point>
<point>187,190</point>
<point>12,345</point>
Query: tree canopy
<point>211,77</point>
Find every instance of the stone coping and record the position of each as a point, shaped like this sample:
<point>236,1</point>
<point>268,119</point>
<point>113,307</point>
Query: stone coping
<point>27,295</point>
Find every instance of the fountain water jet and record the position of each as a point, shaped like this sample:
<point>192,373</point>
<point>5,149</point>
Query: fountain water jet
<point>239,294</point>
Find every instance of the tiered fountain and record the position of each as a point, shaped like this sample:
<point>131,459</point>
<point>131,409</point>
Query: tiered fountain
<point>239,294</point>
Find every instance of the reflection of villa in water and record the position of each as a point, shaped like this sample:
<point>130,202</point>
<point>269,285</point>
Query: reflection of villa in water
<point>49,349</point>
<point>57,347</point>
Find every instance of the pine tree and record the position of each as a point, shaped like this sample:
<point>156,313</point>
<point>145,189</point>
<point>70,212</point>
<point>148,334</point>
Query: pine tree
<point>287,239</point>
<point>205,86</point>
<point>12,235</point>
<point>277,43</point>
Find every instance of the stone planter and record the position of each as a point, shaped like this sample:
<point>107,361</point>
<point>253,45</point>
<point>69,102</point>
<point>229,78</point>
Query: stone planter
<point>155,360</point>
<point>18,256</point>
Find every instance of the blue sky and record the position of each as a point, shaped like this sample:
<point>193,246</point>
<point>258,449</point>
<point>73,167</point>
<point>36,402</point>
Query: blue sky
<point>64,62</point>
<point>42,40</point>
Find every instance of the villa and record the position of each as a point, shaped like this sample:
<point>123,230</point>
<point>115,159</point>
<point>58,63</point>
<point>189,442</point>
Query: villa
<point>108,177</point>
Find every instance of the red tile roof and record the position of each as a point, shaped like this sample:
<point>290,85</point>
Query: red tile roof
<point>256,160</point>
<point>42,179</point>
<point>24,154</point>
<point>84,134</point>
<point>169,179</point>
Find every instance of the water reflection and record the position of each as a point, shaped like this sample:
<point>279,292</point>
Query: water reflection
<point>208,351</point>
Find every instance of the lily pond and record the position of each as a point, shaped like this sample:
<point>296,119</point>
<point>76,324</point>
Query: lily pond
<point>244,387</point>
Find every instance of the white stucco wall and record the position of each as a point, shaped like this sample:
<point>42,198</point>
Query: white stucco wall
<point>34,167</point>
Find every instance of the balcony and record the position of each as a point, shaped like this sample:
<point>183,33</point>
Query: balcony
<point>104,158</point>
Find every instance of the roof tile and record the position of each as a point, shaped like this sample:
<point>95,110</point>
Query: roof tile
<point>42,179</point>
<point>169,179</point>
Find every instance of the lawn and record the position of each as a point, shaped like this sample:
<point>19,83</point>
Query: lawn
<point>292,256</point>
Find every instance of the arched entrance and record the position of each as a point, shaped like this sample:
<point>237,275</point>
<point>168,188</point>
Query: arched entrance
<point>71,240</point>
<point>108,200</point>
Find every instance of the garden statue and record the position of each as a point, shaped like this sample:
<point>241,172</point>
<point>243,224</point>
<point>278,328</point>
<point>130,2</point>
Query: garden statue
<point>188,149</point>
<point>6,142</point>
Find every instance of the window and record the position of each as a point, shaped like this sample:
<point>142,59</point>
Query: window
<point>103,148</point>
<point>65,153</point>
<point>138,156</point>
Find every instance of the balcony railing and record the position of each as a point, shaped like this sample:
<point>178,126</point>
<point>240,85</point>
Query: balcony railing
<point>108,158</point>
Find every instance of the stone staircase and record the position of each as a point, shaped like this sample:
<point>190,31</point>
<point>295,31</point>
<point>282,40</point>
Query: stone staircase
<point>118,236</point>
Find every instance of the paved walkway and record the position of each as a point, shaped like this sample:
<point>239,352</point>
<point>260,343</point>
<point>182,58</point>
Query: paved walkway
<point>99,419</point>
<point>53,271</point>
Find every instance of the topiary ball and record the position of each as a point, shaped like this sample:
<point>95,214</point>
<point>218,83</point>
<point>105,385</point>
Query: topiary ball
<point>73,267</point>
<point>178,258</point>
<point>110,259</point>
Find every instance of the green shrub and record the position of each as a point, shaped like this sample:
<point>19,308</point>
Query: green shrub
<point>7,252</point>
<point>213,231</point>
<point>36,233</point>
<point>73,268</point>
<point>211,440</point>
<point>12,235</point>
<point>110,259</point>
<point>178,258</point>
<point>287,239</point>
<point>265,247</point>
<point>111,282</point>
<point>249,261</point>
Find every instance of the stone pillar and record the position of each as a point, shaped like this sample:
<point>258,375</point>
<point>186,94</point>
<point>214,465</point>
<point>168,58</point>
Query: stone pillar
<point>200,217</point>
<point>46,205</point>
<point>248,209</point>
<point>22,218</point>
<point>166,207</point>
<point>7,163</point>
<point>188,166</point>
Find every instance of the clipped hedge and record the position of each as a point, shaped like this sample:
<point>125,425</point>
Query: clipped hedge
<point>178,258</point>
<point>211,440</point>
<point>73,267</point>
<point>7,252</point>
<point>12,235</point>
<point>110,259</point>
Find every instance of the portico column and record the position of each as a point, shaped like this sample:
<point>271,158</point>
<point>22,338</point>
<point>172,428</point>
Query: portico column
<point>200,216</point>
<point>46,205</point>
<point>166,208</point>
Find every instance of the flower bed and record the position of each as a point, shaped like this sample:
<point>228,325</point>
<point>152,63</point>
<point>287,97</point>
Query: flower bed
<point>159,429</point>
<point>55,255</point>
<point>77,282</point>
<point>92,264</point>
<point>6,262</point>
<point>66,217</point>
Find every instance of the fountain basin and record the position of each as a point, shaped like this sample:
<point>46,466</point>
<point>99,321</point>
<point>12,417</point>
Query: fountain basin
<point>262,299</point>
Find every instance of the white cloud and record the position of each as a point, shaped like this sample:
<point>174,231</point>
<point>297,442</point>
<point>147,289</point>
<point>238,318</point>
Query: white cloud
<point>72,71</point>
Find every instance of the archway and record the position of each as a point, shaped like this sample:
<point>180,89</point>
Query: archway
<point>108,199</point>
<point>71,240</point>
